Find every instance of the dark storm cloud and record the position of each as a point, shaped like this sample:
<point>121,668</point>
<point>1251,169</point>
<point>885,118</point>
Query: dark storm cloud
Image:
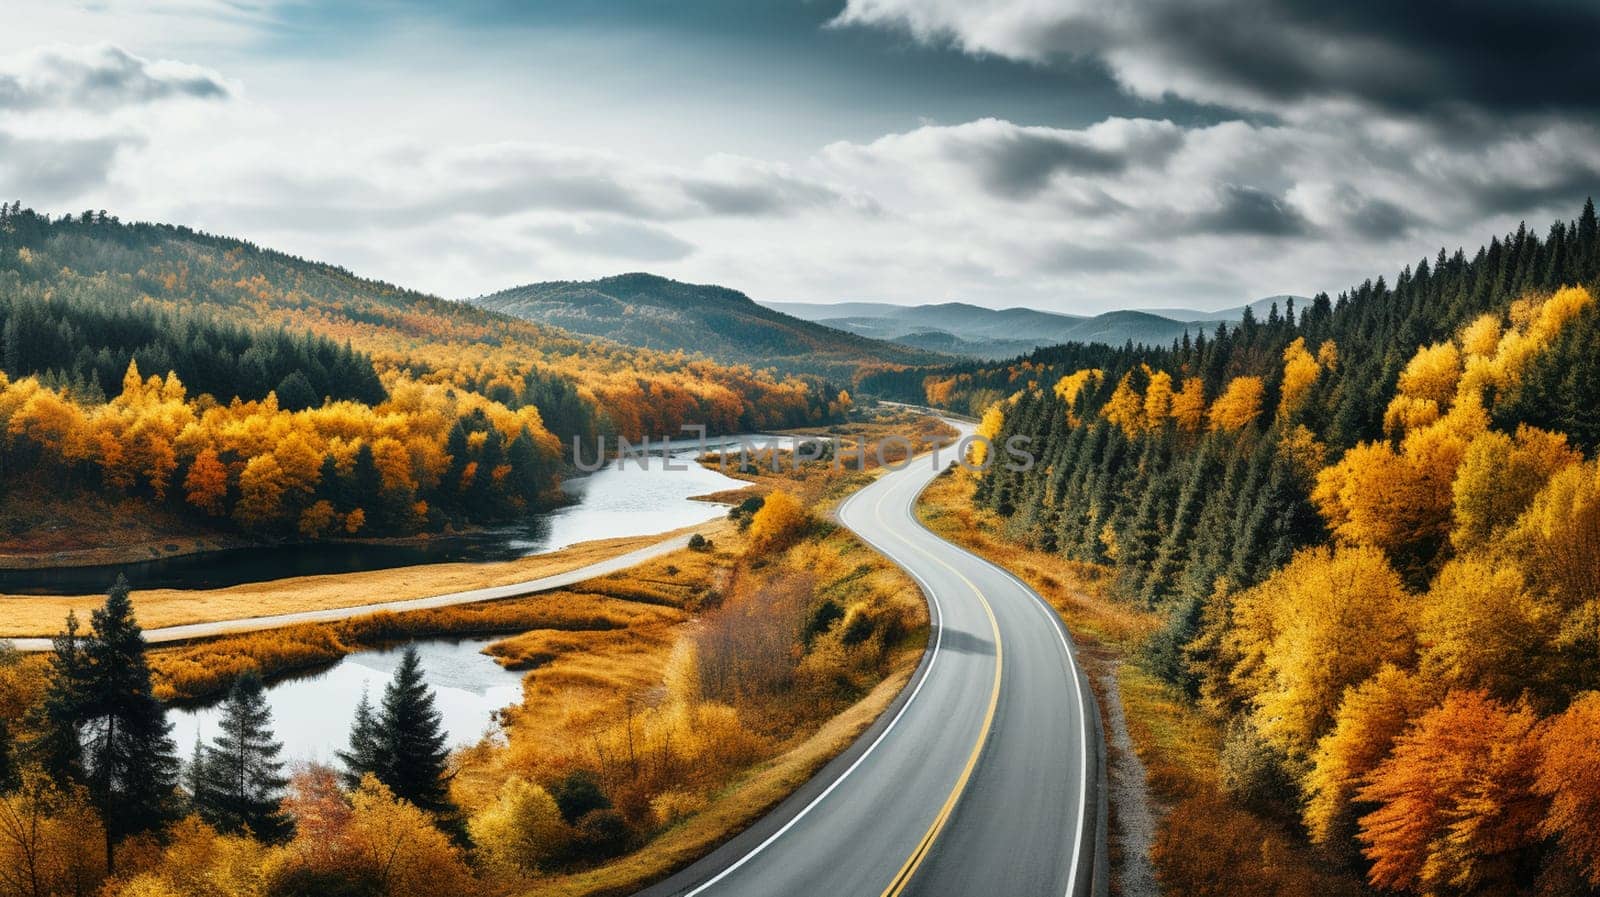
<point>42,170</point>
<point>1400,56</point>
<point>100,77</point>
<point>1379,219</point>
<point>1405,58</point>
<point>1021,164</point>
<point>1250,211</point>
<point>768,194</point>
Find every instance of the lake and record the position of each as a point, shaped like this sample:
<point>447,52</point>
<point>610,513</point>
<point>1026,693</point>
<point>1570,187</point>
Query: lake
<point>311,713</point>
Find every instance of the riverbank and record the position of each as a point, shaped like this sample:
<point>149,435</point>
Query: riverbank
<point>23,616</point>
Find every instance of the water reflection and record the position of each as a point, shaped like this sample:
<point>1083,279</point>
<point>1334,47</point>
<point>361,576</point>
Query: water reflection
<point>311,714</point>
<point>612,502</point>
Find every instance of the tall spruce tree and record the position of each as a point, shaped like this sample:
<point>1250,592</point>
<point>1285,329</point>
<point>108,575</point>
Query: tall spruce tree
<point>239,778</point>
<point>402,742</point>
<point>107,730</point>
<point>411,739</point>
<point>362,755</point>
<point>8,767</point>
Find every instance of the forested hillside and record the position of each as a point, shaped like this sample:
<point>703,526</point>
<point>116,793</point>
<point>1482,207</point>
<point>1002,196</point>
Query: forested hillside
<point>1374,525</point>
<point>726,325</point>
<point>249,389</point>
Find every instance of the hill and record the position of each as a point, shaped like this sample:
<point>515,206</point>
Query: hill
<point>1260,308</point>
<point>668,315</point>
<point>960,328</point>
<point>263,393</point>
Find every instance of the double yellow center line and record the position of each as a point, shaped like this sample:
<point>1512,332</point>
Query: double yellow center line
<point>908,869</point>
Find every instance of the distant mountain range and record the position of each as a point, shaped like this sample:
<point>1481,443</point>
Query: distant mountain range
<point>723,324</point>
<point>958,328</point>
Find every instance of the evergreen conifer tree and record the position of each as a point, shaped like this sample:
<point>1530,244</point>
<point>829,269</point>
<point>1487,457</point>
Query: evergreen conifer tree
<point>411,742</point>
<point>362,755</point>
<point>239,777</point>
<point>107,730</point>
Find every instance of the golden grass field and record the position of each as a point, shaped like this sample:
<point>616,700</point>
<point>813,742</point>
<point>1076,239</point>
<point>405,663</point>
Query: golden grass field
<point>42,615</point>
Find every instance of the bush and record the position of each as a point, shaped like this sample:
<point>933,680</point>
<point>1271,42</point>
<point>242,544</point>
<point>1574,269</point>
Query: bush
<point>744,510</point>
<point>781,518</point>
<point>1253,770</point>
<point>601,835</point>
<point>698,542</point>
<point>822,619</point>
<point>523,830</point>
<point>579,794</point>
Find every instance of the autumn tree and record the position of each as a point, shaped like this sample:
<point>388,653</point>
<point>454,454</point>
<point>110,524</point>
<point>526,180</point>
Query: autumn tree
<point>1498,478</point>
<point>1457,812</point>
<point>1300,372</point>
<point>1324,623</point>
<point>206,484</point>
<point>1239,405</point>
<point>1569,778</point>
<point>1481,628</point>
<point>396,845</point>
<point>1370,717</point>
<point>51,842</point>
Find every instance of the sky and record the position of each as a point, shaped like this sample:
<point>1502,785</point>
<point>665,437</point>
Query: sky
<point>1069,155</point>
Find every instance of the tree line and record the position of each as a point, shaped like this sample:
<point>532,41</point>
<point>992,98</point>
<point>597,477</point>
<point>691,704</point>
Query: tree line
<point>1372,524</point>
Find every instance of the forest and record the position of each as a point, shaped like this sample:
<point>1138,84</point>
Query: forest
<point>1372,526</point>
<point>260,393</point>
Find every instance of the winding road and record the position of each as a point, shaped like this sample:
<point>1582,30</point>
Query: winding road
<point>984,778</point>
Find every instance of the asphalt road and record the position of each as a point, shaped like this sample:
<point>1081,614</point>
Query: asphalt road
<point>984,778</point>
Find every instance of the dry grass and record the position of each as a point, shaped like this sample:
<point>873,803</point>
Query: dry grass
<point>717,713</point>
<point>1207,844</point>
<point>749,798</point>
<point>42,615</point>
<point>822,484</point>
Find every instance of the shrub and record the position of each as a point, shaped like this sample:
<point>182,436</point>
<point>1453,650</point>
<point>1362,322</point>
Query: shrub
<point>522,830</point>
<point>579,794</point>
<point>780,519</point>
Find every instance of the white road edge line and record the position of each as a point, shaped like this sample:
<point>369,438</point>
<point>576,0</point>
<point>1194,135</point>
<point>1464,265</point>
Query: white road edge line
<point>933,601</point>
<point>1077,694</point>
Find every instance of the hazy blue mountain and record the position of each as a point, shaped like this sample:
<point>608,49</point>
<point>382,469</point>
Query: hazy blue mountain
<point>723,324</point>
<point>1261,307</point>
<point>960,328</point>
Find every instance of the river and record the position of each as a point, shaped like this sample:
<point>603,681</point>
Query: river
<point>625,500</point>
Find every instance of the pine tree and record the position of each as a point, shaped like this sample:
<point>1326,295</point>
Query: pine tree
<point>100,698</point>
<point>239,777</point>
<point>362,757</point>
<point>8,767</point>
<point>411,740</point>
